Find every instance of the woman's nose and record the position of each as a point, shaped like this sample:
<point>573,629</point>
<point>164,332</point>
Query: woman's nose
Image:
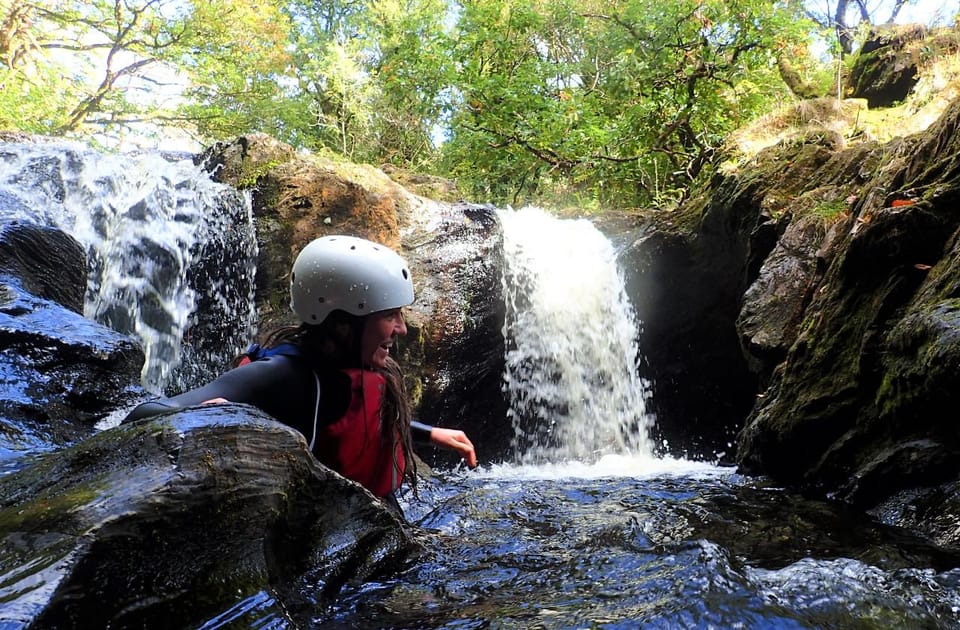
<point>401,326</point>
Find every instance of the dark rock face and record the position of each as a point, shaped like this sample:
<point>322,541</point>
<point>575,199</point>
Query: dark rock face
<point>859,407</point>
<point>885,69</point>
<point>50,264</point>
<point>685,292</point>
<point>223,318</point>
<point>688,272</point>
<point>457,351</point>
<point>828,280</point>
<point>171,522</point>
<point>59,373</point>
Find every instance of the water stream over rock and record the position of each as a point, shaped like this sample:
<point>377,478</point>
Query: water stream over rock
<point>171,254</point>
<point>572,353</point>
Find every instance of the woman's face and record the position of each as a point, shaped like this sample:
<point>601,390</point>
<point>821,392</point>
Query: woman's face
<point>380,330</point>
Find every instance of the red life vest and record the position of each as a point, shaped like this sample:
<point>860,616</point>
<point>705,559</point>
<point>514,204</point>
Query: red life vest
<point>354,445</point>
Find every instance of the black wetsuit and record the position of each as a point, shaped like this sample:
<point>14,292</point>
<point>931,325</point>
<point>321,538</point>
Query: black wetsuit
<point>282,386</point>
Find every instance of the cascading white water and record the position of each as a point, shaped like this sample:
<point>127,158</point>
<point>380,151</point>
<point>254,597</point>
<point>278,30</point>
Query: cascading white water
<point>155,230</point>
<point>571,336</point>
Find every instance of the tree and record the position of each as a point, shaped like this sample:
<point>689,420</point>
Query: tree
<point>73,65</point>
<point>236,67</point>
<point>624,102</point>
<point>330,83</point>
<point>371,74</point>
<point>847,16</point>
<point>412,68</point>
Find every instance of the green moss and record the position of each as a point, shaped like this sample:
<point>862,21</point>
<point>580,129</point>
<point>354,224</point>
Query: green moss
<point>251,173</point>
<point>830,211</point>
<point>47,513</point>
<point>45,495</point>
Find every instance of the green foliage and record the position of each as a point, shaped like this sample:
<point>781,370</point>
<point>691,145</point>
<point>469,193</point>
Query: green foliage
<point>81,67</point>
<point>235,68</point>
<point>568,101</point>
<point>627,102</point>
<point>830,211</point>
<point>412,69</point>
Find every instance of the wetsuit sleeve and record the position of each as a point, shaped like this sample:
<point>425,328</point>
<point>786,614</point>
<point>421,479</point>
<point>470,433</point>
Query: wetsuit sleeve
<point>274,385</point>
<point>420,432</point>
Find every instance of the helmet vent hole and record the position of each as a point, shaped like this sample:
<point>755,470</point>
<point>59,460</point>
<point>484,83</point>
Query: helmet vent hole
<point>293,276</point>
<point>321,299</point>
<point>406,274</point>
<point>352,247</point>
<point>361,305</point>
<point>313,316</point>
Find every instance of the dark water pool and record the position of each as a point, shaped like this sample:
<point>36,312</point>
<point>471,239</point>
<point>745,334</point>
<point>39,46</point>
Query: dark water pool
<point>629,544</point>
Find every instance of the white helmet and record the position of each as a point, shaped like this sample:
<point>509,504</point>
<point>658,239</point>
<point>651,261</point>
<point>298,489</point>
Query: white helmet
<point>350,274</point>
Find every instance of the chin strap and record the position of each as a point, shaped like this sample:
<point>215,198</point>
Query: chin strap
<point>316,411</point>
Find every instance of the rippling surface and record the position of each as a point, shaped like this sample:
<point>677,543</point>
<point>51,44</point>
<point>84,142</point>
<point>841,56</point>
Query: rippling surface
<point>629,544</point>
<point>695,546</point>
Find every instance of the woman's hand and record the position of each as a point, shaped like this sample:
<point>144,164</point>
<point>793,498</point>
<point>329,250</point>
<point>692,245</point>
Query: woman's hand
<point>454,440</point>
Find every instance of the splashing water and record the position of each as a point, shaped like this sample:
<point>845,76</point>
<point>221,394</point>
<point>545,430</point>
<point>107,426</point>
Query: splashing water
<point>161,238</point>
<point>571,336</point>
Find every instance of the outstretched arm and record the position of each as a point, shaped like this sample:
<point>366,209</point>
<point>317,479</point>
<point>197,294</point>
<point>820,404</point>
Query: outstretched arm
<point>450,439</point>
<point>454,440</point>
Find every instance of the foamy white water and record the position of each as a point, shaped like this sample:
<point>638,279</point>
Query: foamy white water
<point>607,467</point>
<point>571,336</point>
<point>144,221</point>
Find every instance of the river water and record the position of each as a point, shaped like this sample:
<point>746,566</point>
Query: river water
<point>631,543</point>
<point>582,527</point>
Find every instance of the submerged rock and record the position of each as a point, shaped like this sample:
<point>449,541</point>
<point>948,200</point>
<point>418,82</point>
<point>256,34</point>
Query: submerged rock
<point>181,517</point>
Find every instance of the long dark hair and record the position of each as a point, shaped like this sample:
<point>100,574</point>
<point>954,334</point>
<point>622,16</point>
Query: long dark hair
<point>335,344</point>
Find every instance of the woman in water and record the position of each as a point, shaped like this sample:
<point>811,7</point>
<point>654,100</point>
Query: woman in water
<point>332,377</point>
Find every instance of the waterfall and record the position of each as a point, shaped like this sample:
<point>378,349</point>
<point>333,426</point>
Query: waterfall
<point>571,343</point>
<point>163,244</point>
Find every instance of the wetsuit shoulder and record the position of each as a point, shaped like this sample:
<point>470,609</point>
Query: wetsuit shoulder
<point>279,385</point>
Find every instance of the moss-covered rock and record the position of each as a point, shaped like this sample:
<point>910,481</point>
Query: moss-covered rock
<point>859,407</point>
<point>172,522</point>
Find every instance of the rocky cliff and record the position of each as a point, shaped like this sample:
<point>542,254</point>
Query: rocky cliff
<point>807,301</point>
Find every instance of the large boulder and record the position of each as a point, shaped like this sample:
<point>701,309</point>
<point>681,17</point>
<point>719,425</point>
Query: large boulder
<point>458,351</point>
<point>453,354</point>
<point>175,521</point>
<point>298,197</point>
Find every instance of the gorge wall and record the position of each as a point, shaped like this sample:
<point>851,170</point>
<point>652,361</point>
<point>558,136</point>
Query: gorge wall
<point>806,305</point>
